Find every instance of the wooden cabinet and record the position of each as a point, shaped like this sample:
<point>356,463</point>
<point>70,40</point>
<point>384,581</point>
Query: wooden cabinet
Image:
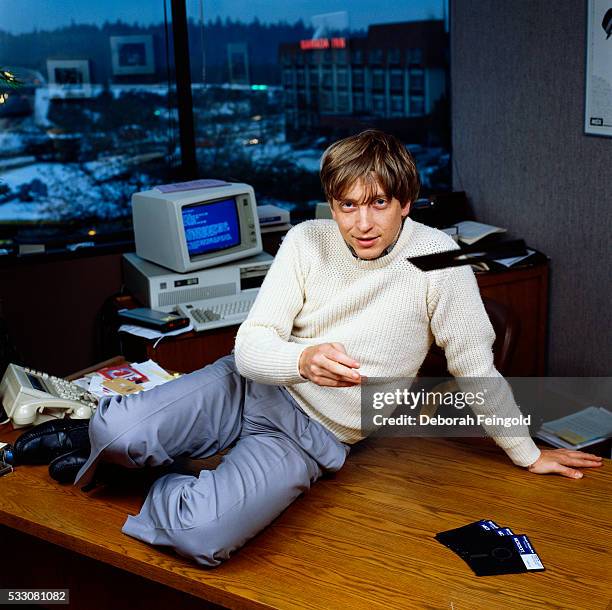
<point>182,353</point>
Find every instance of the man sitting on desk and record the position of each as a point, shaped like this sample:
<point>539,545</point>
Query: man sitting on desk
<point>340,301</point>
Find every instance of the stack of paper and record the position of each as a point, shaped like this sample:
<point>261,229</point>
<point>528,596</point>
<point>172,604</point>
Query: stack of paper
<point>125,379</point>
<point>587,427</point>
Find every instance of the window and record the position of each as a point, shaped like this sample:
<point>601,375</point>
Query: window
<point>417,105</point>
<point>313,77</point>
<point>358,79</point>
<point>301,80</point>
<point>93,121</point>
<point>343,102</point>
<point>397,104</point>
<point>378,104</point>
<point>290,99</point>
<point>378,80</point>
<point>340,56</point>
<point>354,73</point>
<point>396,80</point>
<point>358,103</point>
<point>376,56</point>
<point>416,81</point>
<point>326,102</point>
<point>96,118</point>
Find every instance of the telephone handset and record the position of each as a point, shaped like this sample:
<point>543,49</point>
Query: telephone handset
<point>32,397</point>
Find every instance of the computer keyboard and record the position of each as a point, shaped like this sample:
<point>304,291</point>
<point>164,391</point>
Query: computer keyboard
<point>216,313</point>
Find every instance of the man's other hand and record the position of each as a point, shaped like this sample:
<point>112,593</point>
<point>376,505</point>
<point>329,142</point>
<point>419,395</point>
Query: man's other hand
<point>560,461</point>
<point>328,364</point>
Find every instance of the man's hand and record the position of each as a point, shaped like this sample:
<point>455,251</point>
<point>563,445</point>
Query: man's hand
<point>559,461</point>
<point>328,364</point>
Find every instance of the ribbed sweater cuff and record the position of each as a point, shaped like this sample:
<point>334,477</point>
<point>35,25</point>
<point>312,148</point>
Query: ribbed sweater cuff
<point>278,365</point>
<point>288,363</point>
<point>525,453</point>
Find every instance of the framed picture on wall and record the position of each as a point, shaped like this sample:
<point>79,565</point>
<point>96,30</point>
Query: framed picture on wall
<point>598,92</point>
<point>69,78</point>
<point>132,55</point>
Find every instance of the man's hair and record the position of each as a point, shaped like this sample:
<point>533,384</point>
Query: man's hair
<point>356,157</point>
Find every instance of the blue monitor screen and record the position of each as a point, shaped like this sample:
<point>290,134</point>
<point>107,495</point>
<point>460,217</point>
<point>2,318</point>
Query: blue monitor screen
<point>211,226</point>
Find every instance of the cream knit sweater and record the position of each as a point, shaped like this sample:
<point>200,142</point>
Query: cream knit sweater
<point>385,312</point>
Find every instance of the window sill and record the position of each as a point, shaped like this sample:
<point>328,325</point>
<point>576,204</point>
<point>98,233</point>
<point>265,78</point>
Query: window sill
<point>57,253</point>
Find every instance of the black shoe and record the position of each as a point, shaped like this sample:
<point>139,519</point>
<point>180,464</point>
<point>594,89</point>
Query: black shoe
<point>43,443</point>
<point>64,468</point>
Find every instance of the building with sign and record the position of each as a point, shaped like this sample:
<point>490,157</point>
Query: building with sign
<point>395,72</point>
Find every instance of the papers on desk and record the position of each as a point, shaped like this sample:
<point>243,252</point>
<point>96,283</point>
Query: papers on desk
<point>156,374</point>
<point>509,262</point>
<point>587,427</point>
<point>149,333</point>
<point>470,231</point>
<point>150,375</point>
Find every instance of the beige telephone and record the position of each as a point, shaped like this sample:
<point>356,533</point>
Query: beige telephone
<point>31,397</point>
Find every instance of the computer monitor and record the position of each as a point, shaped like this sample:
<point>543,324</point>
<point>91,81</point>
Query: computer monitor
<point>190,230</point>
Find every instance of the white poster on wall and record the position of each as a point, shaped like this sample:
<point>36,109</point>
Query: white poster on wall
<point>598,98</point>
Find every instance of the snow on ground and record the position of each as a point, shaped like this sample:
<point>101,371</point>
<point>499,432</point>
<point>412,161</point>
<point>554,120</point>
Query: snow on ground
<point>71,190</point>
<point>70,193</point>
<point>11,142</point>
<point>307,159</point>
<point>51,174</point>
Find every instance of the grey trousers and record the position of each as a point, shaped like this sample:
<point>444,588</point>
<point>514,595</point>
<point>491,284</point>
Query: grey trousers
<point>278,453</point>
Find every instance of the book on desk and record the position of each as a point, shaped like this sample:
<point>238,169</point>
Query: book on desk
<point>590,428</point>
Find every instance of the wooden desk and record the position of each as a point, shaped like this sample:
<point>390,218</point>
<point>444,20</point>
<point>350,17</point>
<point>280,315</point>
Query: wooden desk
<point>360,539</point>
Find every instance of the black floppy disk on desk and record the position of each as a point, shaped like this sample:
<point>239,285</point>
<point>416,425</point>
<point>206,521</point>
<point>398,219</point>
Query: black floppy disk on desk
<point>459,539</point>
<point>492,554</point>
<point>489,549</point>
<point>469,255</point>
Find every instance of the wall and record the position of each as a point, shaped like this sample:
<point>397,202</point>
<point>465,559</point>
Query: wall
<point>518,73</point>
<point>52,309</point>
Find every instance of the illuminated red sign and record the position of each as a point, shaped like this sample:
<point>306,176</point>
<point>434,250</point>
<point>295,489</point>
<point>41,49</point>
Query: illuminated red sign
<point>322,43</point>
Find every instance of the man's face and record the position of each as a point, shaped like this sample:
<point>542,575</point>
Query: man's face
<point>368,220</point>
